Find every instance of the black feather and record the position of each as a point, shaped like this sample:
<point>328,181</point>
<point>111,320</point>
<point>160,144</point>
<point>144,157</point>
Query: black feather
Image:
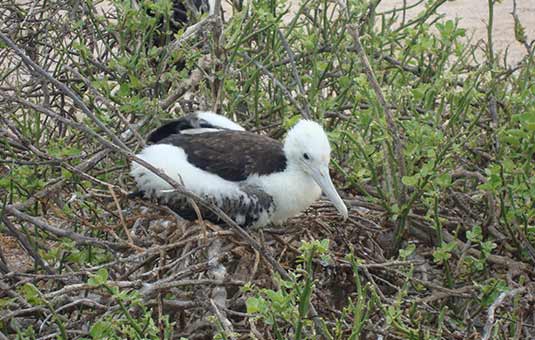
<point>186,122</point>
<point>232,155</point>
<point>232,207</point>
<point>180,18</point>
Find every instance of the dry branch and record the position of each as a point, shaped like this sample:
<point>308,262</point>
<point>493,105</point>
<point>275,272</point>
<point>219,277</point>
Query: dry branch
<point>491,312</point>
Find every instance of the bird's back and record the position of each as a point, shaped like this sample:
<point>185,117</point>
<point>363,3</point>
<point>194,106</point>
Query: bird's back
<point>231,155</point>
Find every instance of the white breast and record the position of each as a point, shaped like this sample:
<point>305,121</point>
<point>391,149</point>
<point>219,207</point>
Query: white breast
<point>292,192</point>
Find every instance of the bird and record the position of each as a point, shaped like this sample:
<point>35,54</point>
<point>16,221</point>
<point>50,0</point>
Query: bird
<point>180,17</point>
<point>254,179</point>
<point>193,123</point>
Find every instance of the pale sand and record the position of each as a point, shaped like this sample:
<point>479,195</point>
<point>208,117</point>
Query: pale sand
<point>473,15</point>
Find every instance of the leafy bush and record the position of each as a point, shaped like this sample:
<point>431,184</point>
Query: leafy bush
<point>439,177</point>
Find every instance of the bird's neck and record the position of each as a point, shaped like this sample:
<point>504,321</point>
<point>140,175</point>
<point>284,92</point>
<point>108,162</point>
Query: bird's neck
<point>292,190</point>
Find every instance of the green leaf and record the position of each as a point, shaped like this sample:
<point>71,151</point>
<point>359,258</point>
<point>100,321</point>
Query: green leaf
<point>290,122</point>
<point>323,246</point>
<point>443,253</point>
<point>135,82</point>
<point>493,183</point>
<point>405,253</point>
<point>520,32</point>
<point>6,301</point>
<point>101,330</point>
<point>32,294</point>
<point>410,180</point>
<point>475,235</point>
<point>256,305</point>
<point>443,180</point>
<point>124,90</point>
<point>99,278</point>
<point>487,247</point>
<point>345,81</point>
<point>492,290</point>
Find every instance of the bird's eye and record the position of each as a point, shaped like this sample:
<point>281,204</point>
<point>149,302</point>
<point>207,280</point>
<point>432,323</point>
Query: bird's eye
<point>305,156</point>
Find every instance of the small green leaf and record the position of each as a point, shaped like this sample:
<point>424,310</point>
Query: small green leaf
<point>135,82</point>
<point>32,294</point>
<point>410,180</point>
<point>124,90</point>
<point>101,330</point>
<point>290,122</point>
<point>256,305</point>
<point>443,253</point>
<point>443,180</point>
<point>99,278</point>
<point>405,253</point>
<point>475,235</point>
<point>520,31</point>
<point>487,247</point>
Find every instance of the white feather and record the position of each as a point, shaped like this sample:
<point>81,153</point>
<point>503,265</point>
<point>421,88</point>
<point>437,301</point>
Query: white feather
<point>196,131</point>
<point>291,192</point>
<point>219,121</point>
<point>173,162</point>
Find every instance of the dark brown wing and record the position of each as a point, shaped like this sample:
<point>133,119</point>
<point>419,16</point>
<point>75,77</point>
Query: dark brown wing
<point>189,121</point>
<point>232,155</point>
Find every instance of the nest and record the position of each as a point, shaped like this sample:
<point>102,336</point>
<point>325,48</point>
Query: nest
<point>191,274</point>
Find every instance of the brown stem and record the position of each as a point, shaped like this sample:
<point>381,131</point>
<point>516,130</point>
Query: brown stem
<point>392,129</point>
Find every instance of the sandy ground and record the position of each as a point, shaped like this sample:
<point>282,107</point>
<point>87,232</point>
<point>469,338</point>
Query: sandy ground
<point>473,15</point>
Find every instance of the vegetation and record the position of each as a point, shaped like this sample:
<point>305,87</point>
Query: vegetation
<point>433,148</point>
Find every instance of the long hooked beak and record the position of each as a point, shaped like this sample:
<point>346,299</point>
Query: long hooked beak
<point>322,177</point>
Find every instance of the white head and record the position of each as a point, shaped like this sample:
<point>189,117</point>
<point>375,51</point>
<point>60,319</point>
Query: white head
<point>307,148</point>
